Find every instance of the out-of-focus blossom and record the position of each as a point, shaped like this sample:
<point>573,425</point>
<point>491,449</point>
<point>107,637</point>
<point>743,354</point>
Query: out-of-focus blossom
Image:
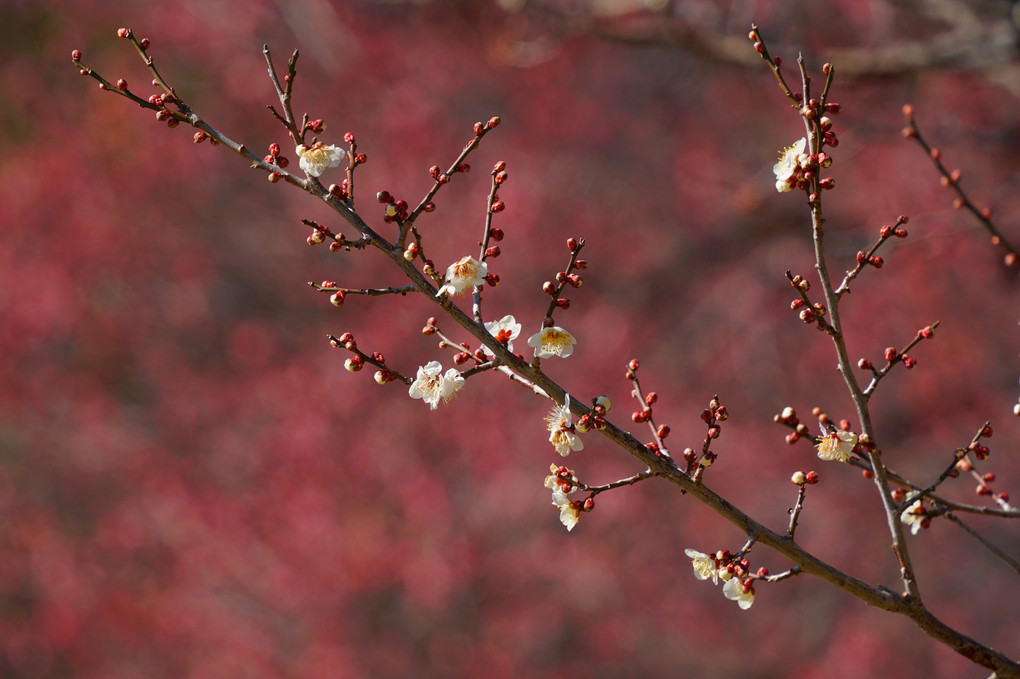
<point>788,167</point>
<point>704,566</point>
<point>736,590</point>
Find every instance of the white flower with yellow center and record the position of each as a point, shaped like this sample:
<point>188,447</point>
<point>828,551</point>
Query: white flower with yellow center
<point>431,386</point>
<point>318,157</point>
<point>562,433</point>
<point>743,594</point>
<point>505,330</point>
<point>787,168</point>
<point>704,566</point>
<point>554,341</point>
<point>837,445</point>
<point>463,274</point>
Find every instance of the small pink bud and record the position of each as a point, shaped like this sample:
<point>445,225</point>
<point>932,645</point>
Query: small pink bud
<point>76,55</point>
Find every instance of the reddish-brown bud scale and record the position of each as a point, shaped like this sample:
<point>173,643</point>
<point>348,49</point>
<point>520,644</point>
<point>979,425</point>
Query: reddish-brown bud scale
<point>479,128</point>
<point>663,431</point>
<point>492,280</point>
<point>987,432</point>
<point>796,304</point>
<point>876,261</point>
<point>865,364</point>
<point>123,32</point>
<point>493,251</point>
<point>890,354</point>
<point>349,138</point>
<point>908,133</point>
<point>778,61</point>
<point>633,364</point>
<point>909,362</point>
<point>494,121</point>
<point>651,397</point>
<point>983,490</point>
<point>563,303</point>
<point>885,231</point>
<point>498,206</point>
<point>463,167</point>
<point>812,477</point>
<point>200,137</point>
<point>76,55</point>
<point>500,177</point>
<point>792,437</point>
<point>581,264</point>
<point>496,234</point>
<point>172,123</point>
<point>759,48</point>
<point>383,197</point>
<point>360,159</point>
<point>572,244</point>
<point>549,288</point>
<point>807,316</point>
<point>900,233</point>
<point>868,474</point>
<point>144,43</point>
<point>926,332</point>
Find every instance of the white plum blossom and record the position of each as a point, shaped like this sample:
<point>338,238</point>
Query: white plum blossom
<point>554,341</point>
<point>913,516</point>
<point>736,590</point>
<point>562,434</point>
<point>837,445</point>
<point>505,330</point>
<point>704,566</point>
<point>431,386</point>
<point>570,511</point>
<point>463,274</point>
<point>318,157</point>
<point>788,167</point>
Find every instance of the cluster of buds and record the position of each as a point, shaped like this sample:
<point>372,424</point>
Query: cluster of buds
<point>274,157</point>
<point>714,415</point>
<point>395,210</point>
<point>441,177</point>
<point>357,362</point>
<point>568,277</point>
<point>482,128</point>
<point>800,478</point>
<point>788,417</point>
<point>321,234</point>
<point>596,419</point>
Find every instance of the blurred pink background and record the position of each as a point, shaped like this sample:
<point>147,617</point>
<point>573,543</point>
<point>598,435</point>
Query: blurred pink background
<point>191,485</point>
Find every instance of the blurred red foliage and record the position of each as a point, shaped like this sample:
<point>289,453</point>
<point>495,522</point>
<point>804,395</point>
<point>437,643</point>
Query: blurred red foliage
<point>191,485</point>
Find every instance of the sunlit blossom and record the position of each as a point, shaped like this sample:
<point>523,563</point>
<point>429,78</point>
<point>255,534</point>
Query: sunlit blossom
<point>570,511</point>
<point>318,158</point>
<point>431,386</point>
<point>743,594</point>
<point>554,341</point>
<point>505,330</point>
<point>562,434</point>
<point>837,445</point>
<point>704,566</point>
<point>788,167</point>
<point>463,274</point>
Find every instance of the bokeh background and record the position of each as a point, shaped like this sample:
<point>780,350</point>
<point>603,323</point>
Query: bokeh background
<point>191,485</point>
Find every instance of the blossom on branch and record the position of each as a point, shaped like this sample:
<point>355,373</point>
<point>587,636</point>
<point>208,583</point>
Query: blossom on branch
<point>430,385</point>
<point>570,511</point>
<point>505,330</point>
<point>464,273</point>
<point>704,566</point>
<point>562,433</point>
<point>788,167</point>
<point>914,517</point>
<point>318,158</point>
<point>739,591</point>
<point>837,445</point>
<point>554,341</point>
